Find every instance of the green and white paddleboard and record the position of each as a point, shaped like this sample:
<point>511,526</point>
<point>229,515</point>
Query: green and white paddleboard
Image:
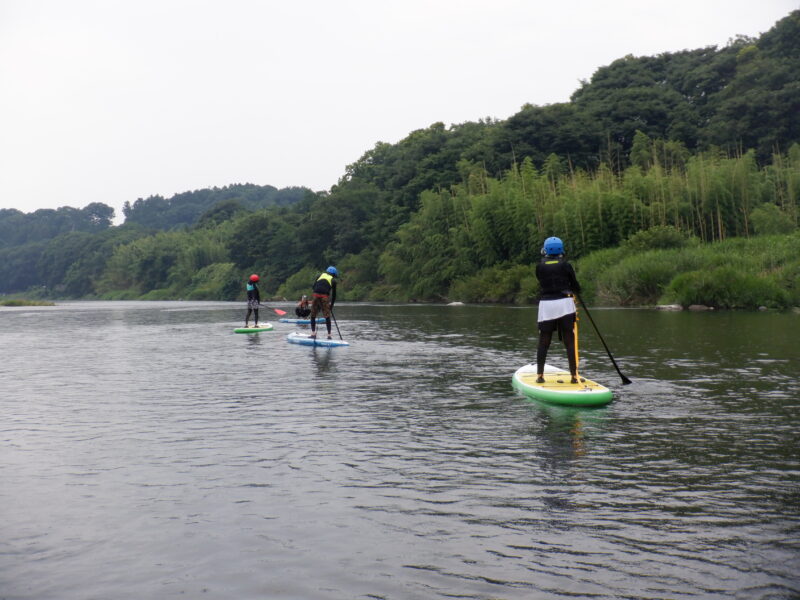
<point>557,388</point>
<point>260,328</point>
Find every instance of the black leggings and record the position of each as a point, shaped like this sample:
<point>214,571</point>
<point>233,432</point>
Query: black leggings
<point>254,311</point>
<point>566,331</point>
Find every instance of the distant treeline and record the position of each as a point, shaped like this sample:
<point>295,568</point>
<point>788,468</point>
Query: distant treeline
<point>18,228</point>
<point>215,204</point>
<point>64,252</point>
<point>699,142</point>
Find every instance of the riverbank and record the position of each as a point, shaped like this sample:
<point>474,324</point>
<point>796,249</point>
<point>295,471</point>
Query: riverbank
<point>736,273</point>
<point>653,270</point>
<point>20,302</point>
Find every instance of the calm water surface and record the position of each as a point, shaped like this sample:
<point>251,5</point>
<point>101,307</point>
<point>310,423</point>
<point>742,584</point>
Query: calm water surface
<point>147,451</point>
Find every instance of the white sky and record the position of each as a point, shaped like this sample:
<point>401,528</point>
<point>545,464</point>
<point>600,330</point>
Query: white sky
<point>114,100</point>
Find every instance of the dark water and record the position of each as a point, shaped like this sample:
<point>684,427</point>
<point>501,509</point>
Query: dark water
<point>146,451</point>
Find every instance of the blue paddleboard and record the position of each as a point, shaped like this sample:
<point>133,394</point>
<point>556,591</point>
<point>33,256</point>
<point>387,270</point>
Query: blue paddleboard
<point>301,321</point>
<point>306,340</point>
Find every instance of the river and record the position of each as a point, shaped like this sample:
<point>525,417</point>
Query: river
<point>147,451</point>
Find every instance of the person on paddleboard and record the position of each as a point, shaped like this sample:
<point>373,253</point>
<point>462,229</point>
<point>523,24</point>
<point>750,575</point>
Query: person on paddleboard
<point>323,298</point>
<point>253,300</point>
<point>557,312</point>
<point>302,310</point>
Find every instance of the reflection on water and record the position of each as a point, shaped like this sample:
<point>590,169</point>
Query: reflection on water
<point>321,358</point>
<point>254,339</point>
<point>148,451</point>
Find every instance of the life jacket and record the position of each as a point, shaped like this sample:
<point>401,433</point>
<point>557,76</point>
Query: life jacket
<point>554,277</point>
<point>324,284</point>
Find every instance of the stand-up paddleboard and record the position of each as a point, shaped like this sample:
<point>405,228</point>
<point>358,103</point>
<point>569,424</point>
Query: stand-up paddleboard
<point>557,388</point>
<point>260,328</point>
<point>306,340</point>
<point>301,321</point>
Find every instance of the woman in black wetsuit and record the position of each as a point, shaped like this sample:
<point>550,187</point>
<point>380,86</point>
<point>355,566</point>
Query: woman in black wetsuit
<point>253,300</point>
<point>557,310</point>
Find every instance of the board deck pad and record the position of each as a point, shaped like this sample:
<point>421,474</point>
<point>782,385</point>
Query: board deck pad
<point>558,389</point>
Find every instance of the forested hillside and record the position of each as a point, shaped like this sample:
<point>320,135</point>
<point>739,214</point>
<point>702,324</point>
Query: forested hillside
<point>54,251</point>
<point>18,228</point>
<point>696,146</point>
<point>187,208</point>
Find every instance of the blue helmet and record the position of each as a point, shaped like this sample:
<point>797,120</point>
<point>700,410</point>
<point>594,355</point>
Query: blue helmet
<point>553,246</point>
<point>332,271</point>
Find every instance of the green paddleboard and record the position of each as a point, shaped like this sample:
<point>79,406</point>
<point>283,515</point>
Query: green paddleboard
<point>260,328</point>
<point>557,388</point>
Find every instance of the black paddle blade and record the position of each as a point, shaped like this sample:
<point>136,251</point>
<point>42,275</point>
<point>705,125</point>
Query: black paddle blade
<point>625,380</point>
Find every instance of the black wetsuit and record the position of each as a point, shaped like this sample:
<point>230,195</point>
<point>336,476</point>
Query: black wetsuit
<point>253,301</point>
<point>556,280</point>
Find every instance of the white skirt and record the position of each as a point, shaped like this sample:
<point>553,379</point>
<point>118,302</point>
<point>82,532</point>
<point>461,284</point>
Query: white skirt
<point>555,309</point>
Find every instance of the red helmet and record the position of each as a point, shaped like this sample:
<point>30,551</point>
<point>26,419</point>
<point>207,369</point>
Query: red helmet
<point>253,277</point>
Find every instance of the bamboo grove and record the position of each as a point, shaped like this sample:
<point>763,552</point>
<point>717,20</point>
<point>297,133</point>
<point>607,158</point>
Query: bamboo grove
<point>486,223</point>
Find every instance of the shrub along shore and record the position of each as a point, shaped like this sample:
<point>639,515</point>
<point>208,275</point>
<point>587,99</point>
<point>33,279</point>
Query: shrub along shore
<point>745,273</point>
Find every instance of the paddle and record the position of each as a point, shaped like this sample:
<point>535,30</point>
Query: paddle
<point>577,356</point>
<point>337,325</point>
<point>279,311</point>
<point>625,380</point>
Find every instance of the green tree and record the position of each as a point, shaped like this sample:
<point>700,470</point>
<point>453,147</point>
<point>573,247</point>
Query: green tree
<point>768,219</point>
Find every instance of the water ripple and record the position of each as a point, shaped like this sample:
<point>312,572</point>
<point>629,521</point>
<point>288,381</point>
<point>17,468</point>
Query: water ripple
<point>147,451</point>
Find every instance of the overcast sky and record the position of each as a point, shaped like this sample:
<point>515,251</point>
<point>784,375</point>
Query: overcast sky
<point>114,100</point>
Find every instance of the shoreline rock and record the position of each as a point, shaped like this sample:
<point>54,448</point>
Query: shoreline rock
<point>699,307</point>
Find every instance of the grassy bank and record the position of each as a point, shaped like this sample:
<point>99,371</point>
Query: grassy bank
<point>18,302</point>
<point>735,273</point>
<point>660,266</point>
